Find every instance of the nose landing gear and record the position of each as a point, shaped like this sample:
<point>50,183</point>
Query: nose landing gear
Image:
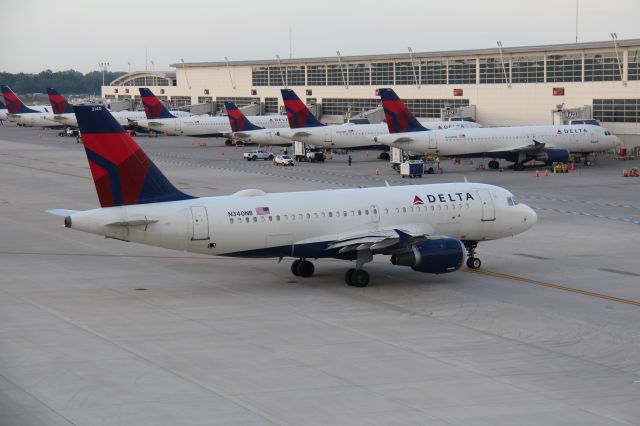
<point>472,261</point>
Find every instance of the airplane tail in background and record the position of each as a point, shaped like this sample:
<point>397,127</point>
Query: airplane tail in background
<point>122,172</point>
<point>238,121</point>
<point>13,102</point>
<point>153,108</point>
<point>59,104</point>
<point>297,112</point>
<point>399,118</point>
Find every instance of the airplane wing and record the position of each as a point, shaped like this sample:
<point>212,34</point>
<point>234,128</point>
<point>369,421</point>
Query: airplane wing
<point>61,212</point>
<point>240,135</point>
<point>301,133</point>
<point>535,146</point>
<point>383,241</point>
<point>401,140</point>
<point>59,118</point>
<point>152,123</point>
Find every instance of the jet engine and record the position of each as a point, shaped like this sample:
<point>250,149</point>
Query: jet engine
<point>436,256</point>
<point>554,155</point>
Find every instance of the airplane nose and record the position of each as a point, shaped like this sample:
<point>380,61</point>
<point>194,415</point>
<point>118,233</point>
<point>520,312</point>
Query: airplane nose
<point>531,217</point>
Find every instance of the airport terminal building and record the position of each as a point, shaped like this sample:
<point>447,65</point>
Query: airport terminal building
<point>500,86</point>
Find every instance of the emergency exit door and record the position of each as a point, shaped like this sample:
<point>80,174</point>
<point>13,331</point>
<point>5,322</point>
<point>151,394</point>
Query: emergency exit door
<point>200,223</point>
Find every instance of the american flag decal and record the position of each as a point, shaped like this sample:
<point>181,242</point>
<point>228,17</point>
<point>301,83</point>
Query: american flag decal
<point>262,211</point>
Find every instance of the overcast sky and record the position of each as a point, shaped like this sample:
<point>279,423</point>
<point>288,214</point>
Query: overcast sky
<point>59,35</point>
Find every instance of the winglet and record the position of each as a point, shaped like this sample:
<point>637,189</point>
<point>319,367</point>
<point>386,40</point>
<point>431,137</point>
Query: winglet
<point>14,104</point>
<point>59,104</point>
<point>237,120</point>
<point>399,118</point>
<point>153,108</point>
<point>297,112</point>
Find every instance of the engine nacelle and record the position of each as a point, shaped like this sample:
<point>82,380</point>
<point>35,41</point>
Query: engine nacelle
<point>554,155</point>
<point>432,256</point>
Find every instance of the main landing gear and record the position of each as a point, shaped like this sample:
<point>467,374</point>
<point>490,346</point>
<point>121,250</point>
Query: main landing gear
<point>302,268</point>
<point>494,165</point>
<point>472,261</point>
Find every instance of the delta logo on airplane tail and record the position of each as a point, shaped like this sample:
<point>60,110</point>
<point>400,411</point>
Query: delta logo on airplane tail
<point>122,172</point>
<point>297,112</point>
<point>399,117</point>
<point>237,120</point>
<point>153,108</point>
<point>59,104</point>
<point>14,104</point>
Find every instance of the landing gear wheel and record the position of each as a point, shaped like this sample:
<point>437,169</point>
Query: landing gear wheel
<point>306,269</point>
<point>494,165</point>
<point>294,267</point>
<point>349,275</point>
<point>384,156</point>
<point>587,162</point>
<point>474,263</point>
<point>360,278</point>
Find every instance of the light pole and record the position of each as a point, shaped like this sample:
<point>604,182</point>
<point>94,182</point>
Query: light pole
<point>344,80</point>
<point>129,64</point>
<point>614,36</point>
<point>280,68</point>
<point>185,74</point>
<point>504,71</point>
<point>413,67</point>
<point>103,66</point>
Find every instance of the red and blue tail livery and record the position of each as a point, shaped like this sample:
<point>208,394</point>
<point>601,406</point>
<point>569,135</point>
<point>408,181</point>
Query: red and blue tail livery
<point>297,112</point>
<point>122,172</point>
<point>59,104</point>
<point>237,120</point>
<point>399,117</point>
<point>153,108</point>
<point>14,104</point>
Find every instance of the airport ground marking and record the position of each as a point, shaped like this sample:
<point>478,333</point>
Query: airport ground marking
<point>555,286</point>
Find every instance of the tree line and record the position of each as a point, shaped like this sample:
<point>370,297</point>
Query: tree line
<point>66,82</point>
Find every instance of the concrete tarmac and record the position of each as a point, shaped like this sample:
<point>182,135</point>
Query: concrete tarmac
<point>102,332</point>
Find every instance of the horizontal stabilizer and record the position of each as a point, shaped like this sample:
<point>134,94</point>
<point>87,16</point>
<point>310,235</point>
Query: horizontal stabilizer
<point>61,212</point>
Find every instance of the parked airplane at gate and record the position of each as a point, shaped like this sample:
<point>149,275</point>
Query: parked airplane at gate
<point>244,130</point>
<point>518,144</point>
<point>63,112</point>
<point>199,126</point>
<point>306,128</point>
<point>425,227</point>
<point>21,114</point>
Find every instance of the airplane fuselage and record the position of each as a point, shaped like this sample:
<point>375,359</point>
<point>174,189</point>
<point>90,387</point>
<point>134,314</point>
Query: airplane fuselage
<point>206,125</point>
<point>302,224</point>
<point>345,136</point>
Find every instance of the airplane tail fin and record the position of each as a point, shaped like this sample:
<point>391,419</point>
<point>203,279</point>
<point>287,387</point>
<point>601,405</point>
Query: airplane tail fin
<point>14,104</point>
<point>237,119</point>
<point>153,108</point>
<point>297,112</point>
<point>122,172</point>
<point>399,118</point>
<point>59,104</point>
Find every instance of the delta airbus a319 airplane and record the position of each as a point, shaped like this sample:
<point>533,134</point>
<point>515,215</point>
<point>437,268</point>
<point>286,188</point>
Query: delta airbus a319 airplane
<point>21,114</point>
<point>305,127</point>
<point>425,227</point>
<point>243,129</point>
<point>517,144</point>
<point>197,126</point>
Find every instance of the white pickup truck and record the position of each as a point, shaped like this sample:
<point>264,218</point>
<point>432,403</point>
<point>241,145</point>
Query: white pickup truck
<point>258,155</point>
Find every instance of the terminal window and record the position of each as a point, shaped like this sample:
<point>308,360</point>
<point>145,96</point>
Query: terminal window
<point>432,108</point>
<point>601,67</point>
<point>491,70</point>
<point>616,110</point>
<point>180,101</point>
<point>561,68</point>
<point>433,72</point>
<point>239,101</point>
<point>260,76</point>
<point>359,74</point>
<point>462,71</point>
<point>270,105</point>
<point>351,107</point>
<point>296,76</point>
<point>634,65</point>
<point>316,75</point>
<point>277,76</point>
<point>381,73</point>
<point>205,99</point>
<point>147,81</point>
<point>336,75</point>
<point>527,69</point>
<point>405,73</point>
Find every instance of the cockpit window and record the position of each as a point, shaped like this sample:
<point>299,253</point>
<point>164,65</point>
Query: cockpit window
<point>512,201</point>
<point>607,133</point>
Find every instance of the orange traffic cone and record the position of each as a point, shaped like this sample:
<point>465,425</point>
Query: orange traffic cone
<point>537,173</point>
<point>366,153</point>
<point>377,172</point>
<point>221,152</point>
<point>625,173</point>
<point>546,172</point>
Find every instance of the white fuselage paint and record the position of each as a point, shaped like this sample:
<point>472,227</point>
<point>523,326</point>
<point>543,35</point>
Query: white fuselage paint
<point>574,138</point>
<point>466,211</point>
<point>124,118</point>
<point>351,135</point>
<point>206,125</point>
